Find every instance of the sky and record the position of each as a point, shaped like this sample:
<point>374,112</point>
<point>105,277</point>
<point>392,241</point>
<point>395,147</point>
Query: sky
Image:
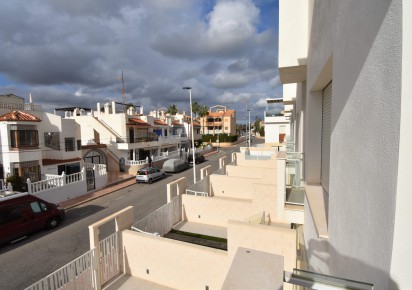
<point>72,53</point>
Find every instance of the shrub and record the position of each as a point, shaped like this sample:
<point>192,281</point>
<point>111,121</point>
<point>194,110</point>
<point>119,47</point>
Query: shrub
<point>17,182</point>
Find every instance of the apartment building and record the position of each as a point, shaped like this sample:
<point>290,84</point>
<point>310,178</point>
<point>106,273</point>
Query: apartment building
<point>129,136</point>
<point>219,120</point>
<point>36,143</point>
<point>276,126</point>
<point>346,67</point>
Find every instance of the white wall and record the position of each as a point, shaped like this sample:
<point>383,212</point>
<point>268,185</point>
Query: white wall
<point>293,39</point>
<point>361,42</point>
<point>401,266</point>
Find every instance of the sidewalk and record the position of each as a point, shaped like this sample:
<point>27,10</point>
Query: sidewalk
<point>98,193</point>
<point>115,185</point>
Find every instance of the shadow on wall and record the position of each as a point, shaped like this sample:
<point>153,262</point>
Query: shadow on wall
<point>355,269</point>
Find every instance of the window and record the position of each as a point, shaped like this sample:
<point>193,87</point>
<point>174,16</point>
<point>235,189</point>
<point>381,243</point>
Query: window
<point>29,169</point>
<point>24,136</point>
<point>79,144</point>
<point>35,206</point>
<point>69,144</point>
<point>52,140</point>
<point>8,214</point>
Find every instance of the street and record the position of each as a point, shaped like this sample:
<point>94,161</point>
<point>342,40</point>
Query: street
<point>28,260</point>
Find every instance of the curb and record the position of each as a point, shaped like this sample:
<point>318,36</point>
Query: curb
<point>85,198</point>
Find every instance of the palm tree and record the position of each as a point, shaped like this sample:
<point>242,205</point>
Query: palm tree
<point>172,110</point>
<point>195,108</point>
<point>203,111</point>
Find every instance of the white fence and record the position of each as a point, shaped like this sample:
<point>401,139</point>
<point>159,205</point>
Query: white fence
<point>161,220</point>
<point>200,188</point>
<point>81,273</point>
<point>78,274</point>
<point>22,107</point>
<point>109,258</point>
<point>58,188</point>
<point>52,182</point>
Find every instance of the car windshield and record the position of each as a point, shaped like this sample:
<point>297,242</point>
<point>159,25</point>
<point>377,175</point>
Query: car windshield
<point>142,172</point>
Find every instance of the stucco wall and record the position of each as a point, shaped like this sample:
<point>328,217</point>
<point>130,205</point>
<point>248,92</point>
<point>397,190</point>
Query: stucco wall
<point>215,210</point>
<point>59,194</point>
<point>279,240</point>
<point>233,187</point>
<point>240,161</point>
<point>173,263</point>
<point>362,42</point>
<point>401,264</point>
<point>267,174</point>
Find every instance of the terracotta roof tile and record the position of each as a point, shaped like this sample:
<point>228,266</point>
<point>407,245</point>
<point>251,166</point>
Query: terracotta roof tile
<point>19,116</point>
<point>138,122</point>
<point>160,122</point>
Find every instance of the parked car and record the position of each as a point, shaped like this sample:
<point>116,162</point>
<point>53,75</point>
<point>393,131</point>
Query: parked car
<point>23,213</point>
<point>175,165</point>
<point>149,174</point>
<point>198,158</point>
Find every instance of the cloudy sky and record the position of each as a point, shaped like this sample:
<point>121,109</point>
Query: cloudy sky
<point>72,53</point>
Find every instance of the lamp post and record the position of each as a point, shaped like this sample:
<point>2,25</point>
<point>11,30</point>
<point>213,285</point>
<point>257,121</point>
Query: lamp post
<point>249,128</point>
<point>193,139</point>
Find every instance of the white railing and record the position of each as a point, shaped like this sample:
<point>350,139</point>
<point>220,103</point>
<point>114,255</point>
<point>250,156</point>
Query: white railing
<point>54,181</point>
<point>78,274</point>
<point>99,169</point>
<point>109,258</point>
<point>51,176</point>
<point>75,177</point>
<point>81,273</point>
<point>23,107</point>
<point>136,162</point>
<point>161,221</point>
<point>200,188</point>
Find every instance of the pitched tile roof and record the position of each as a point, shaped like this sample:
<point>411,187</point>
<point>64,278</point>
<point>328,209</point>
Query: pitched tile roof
<point>19,116</point>
<point>138,122</point>
<point>160,122</point>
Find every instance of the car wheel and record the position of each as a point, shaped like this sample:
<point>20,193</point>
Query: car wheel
<point>163,176</point>
<point>53,223</point>
<point>150,181</point>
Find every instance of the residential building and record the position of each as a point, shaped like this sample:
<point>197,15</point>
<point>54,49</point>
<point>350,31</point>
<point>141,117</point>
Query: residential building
<point>219,121</point>
<point>347,67</point>
<point>35,143</point>
<point>276,126</point>
<point>45,151</point>
<point>129,136</point>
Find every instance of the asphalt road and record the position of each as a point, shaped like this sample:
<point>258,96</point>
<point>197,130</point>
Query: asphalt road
<point>31,259</point>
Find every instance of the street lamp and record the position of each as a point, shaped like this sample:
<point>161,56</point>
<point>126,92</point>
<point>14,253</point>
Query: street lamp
<point>193,139</point>
<point>249,129</point>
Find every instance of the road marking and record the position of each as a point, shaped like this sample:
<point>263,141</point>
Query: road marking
<point>120,197</point>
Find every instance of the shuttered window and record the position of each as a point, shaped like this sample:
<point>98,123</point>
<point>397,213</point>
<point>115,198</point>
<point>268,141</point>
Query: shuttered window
<point>326,132</point>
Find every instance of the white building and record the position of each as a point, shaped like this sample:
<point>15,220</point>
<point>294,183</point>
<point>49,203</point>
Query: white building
<point>277,127</point>
<point>130,136</point>
<point>349,64</point>
<point>35,143</point>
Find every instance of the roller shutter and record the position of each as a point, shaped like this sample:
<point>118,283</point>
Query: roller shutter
<point>326,132</point>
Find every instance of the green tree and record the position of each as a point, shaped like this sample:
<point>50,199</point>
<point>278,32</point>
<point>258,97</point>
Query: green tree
<point>172,110</point>
<point>195,108</point>
<point>257,125</point>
